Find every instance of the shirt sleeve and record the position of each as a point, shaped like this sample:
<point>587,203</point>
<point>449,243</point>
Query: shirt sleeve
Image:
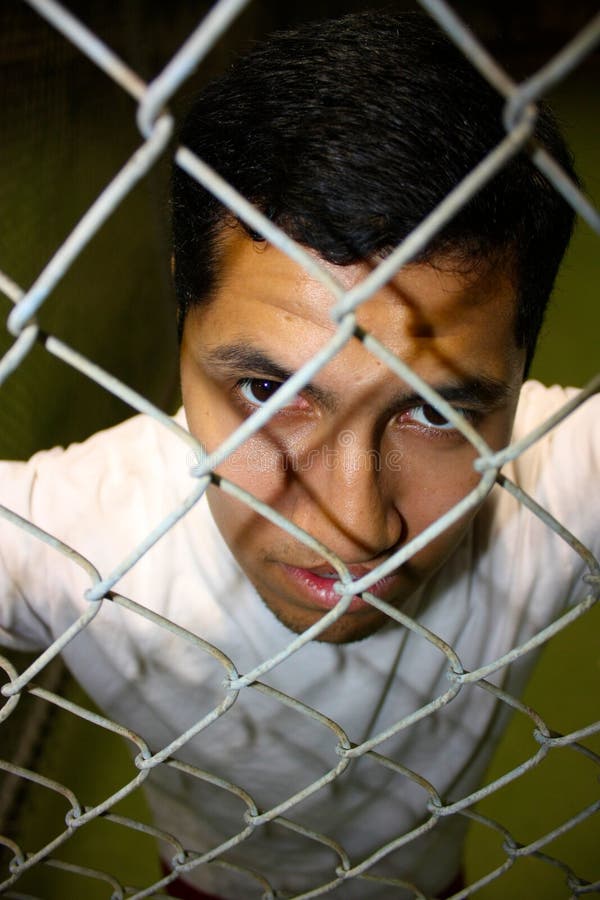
<point>24,561</point>
<point>100,498</point>
<point>561,471</point>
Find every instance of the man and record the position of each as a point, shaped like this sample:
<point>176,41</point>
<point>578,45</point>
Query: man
<point>346,135</point>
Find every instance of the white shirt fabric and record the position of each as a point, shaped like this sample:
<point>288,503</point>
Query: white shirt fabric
<point>508,579</point>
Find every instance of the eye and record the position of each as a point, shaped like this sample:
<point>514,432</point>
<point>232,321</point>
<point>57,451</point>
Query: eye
<point>258,390</point>
<point>428,416</point>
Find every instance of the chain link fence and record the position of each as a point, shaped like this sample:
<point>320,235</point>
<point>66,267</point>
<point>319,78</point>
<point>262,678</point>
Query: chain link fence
<point>156,126</point>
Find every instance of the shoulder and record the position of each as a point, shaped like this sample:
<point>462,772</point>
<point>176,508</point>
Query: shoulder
<point>514,573</point>
<point>537,403</point>
<point>134,448</point>
<point>560,470</point>
<point>139,442</point>
<point>134,471</point>
<point>567,421</point>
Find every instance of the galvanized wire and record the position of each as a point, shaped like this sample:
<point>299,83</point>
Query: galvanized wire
<point>156,127</point>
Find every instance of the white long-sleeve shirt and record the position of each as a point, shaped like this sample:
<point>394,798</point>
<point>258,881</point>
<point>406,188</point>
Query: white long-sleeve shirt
<point>508,579</point>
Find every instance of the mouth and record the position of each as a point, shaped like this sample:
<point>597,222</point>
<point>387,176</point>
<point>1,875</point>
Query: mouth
<point>316,586</point>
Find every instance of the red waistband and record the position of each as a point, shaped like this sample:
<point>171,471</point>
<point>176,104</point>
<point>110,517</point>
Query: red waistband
<point>183,890</point>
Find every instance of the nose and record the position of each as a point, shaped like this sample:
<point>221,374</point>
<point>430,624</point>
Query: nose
<point>345,498</point>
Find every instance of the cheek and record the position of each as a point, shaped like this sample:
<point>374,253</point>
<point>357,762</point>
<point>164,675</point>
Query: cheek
<point>238,524</point>
<point>250,537</point>
<point>211,420</point>
<point>256,468</point>
<point>433,478</point>
<point>422,509</point>
<point>432,483</point>
<point>427,561</point>
<point>430,480</point>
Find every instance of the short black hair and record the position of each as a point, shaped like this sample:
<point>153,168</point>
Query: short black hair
<point>346,134</point>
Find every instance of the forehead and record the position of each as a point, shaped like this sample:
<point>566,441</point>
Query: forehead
<point>429,314</point>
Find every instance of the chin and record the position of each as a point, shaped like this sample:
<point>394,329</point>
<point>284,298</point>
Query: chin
<point>347,630</point>
<point>351,635</point>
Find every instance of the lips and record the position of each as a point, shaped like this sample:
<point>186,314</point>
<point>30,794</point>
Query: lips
<point>316,586</point>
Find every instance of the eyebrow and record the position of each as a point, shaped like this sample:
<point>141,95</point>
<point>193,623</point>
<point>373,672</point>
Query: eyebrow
<point>243,359</point>
<point>480,391</point>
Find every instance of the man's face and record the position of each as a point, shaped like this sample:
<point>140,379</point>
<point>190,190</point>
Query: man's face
<point>357,460</point>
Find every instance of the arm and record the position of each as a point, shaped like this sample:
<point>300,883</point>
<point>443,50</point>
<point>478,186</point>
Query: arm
<point>23,561</point>
<point>100,499</point>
